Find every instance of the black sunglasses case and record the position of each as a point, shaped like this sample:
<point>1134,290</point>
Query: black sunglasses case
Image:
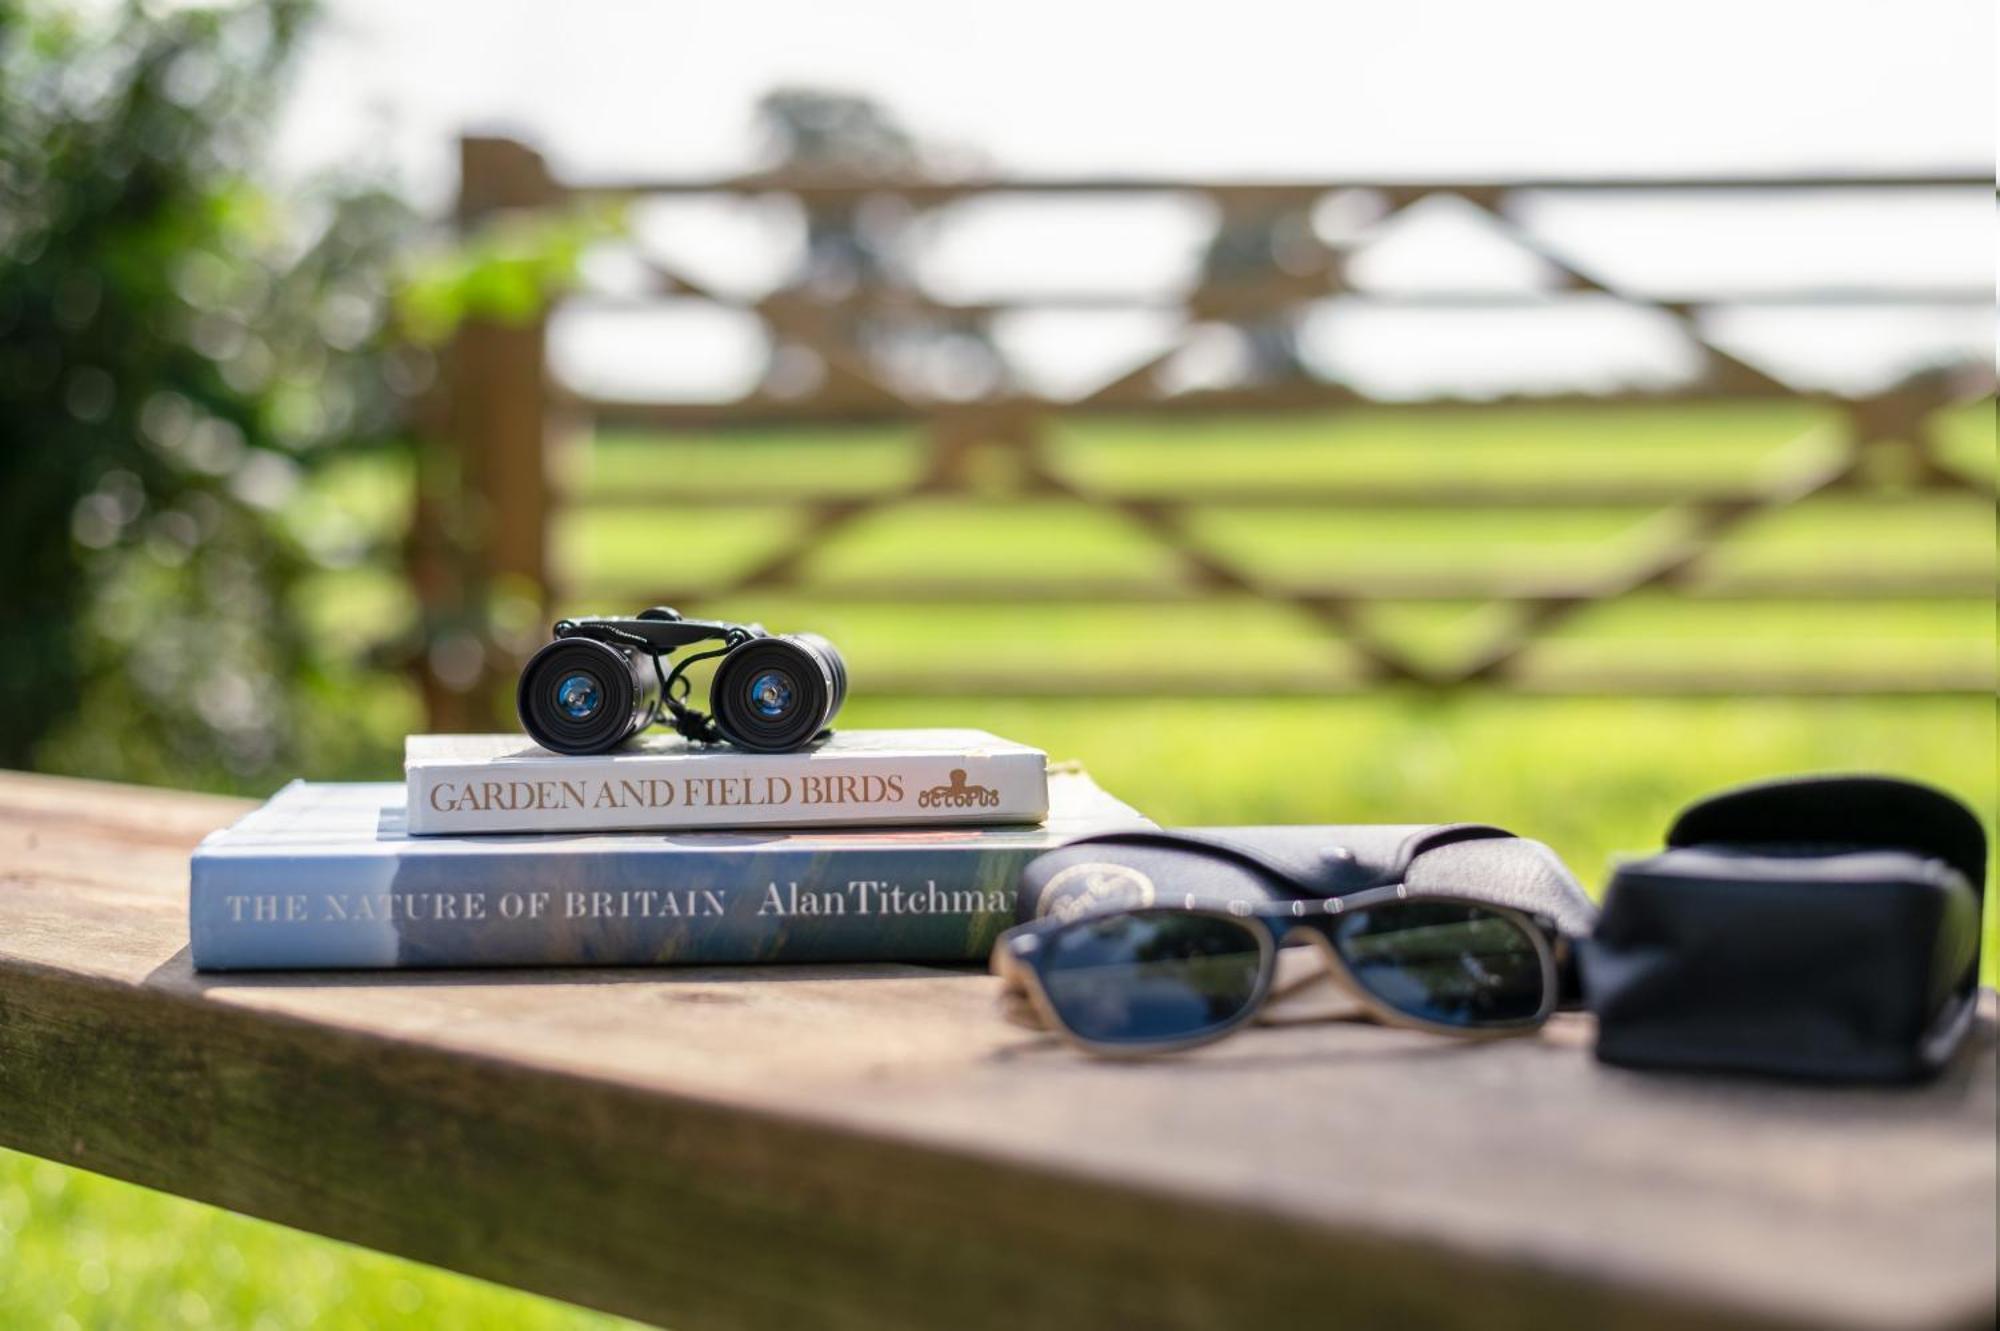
<point>1821,927</point>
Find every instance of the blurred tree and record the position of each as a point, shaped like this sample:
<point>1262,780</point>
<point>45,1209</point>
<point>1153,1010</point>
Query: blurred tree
<point>1257,244</point>
<point>823,132</point>
<point>839,132</point>
<point>178,349</point>
<point>868,244</point>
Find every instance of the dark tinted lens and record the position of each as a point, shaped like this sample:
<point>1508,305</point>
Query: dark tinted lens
<point>1149,976</point>
<point>1454,964</point>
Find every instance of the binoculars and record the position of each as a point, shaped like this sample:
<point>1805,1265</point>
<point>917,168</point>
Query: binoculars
<point>601,681</point>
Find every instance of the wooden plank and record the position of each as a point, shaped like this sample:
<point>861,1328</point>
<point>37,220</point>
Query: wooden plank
<point>1385,585</point>
<point>484,497</point>
<point>499,417</point>
<point>872,1146</point>
<point>927,190</point>
<point>1319,400</point>
<point>499,381</point>
<point>1303,397</point>
<point>1583,492</point>
<point>1692,681</point>
<point>1243,298</point>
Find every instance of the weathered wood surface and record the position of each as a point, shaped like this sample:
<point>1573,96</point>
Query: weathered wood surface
<point>873,1147</point>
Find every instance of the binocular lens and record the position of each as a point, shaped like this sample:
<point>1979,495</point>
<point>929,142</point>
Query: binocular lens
<point>776,694</point>
<point>771,694</point>
<point>578,695</point>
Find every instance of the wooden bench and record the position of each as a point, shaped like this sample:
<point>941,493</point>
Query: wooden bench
<point>874,1147</point>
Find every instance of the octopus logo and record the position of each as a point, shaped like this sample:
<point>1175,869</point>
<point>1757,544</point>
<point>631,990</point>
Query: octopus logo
<point>959,795</point>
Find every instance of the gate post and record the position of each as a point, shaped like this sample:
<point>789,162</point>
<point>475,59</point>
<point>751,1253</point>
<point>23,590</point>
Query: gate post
<point>481,519</point>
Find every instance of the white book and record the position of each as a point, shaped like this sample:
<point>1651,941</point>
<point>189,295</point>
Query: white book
<point>508,783</point>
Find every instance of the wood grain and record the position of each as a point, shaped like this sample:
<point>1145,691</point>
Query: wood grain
<point>872,1147</point>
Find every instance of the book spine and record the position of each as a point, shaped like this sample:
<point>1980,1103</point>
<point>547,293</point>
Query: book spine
<point>728,790</point>
<point>606,908</point>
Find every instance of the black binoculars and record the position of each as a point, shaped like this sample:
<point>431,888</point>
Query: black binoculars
<point>602,681</point>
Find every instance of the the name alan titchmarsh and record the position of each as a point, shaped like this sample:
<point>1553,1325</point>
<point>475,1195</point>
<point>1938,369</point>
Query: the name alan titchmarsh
<point>867,896</point>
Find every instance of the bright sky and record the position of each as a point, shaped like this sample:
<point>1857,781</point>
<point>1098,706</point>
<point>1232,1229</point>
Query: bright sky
<point>1253,87</point>
<point>1250,87</point>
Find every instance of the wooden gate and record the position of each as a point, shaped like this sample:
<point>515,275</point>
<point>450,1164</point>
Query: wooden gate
<point>487,503</point>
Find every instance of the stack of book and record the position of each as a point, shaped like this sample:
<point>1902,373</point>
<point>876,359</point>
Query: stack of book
<point>870,846</point>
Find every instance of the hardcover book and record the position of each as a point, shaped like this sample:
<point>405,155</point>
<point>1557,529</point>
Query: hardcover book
<point>854,778</point>
<point>327,876</point>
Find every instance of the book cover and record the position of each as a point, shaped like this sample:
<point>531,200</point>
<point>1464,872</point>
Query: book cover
<point>327,876</point>
<point>854,778</point>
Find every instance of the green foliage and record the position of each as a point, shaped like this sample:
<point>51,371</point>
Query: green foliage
<point>179,351</point>
<point>507,271</point>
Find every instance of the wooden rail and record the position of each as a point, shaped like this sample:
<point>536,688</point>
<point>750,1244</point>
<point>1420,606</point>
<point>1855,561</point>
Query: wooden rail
<point>486,513</point>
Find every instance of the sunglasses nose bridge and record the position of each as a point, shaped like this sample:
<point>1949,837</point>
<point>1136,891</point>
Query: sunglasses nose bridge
<point>1283,931</point>
<point>1318,933</point>
<point>1325,967</point>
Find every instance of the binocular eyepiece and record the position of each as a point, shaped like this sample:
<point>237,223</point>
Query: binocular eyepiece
<point>602,681</point>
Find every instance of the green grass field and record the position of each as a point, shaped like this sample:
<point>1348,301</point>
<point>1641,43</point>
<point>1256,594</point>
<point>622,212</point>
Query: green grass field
<point>1592,776</point>
<point>611,552</point>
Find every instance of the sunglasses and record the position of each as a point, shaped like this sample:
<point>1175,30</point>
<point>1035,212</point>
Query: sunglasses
<point>1158,979</point>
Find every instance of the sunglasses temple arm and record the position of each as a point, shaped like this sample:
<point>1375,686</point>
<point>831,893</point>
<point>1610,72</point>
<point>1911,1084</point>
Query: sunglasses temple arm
<point>1569,976</point>
<point>1017,1005</point>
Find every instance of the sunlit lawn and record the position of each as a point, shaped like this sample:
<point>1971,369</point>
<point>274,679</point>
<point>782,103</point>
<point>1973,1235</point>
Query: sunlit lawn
<point>615,551</point>
<point>1593,777</point>
<point>80,1251</point>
